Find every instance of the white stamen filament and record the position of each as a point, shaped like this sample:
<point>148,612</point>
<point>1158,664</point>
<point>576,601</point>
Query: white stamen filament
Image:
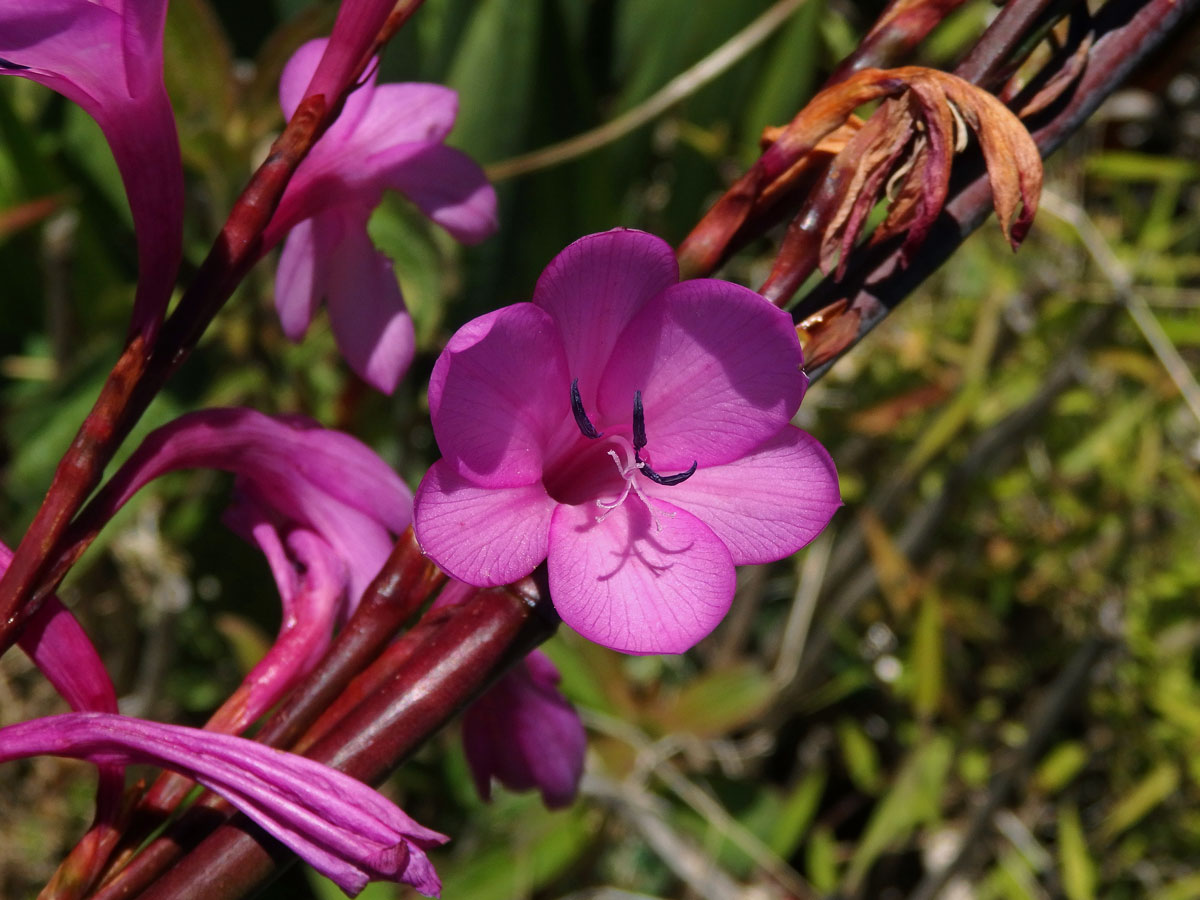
<point>628,470</point>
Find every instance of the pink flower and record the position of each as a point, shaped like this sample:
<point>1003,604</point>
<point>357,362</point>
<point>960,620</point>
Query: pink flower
<point>321,505</point>
<point>337,824</point>
<point>633,432</point>
<point>526,735</point>
<point>106,56</point>
<point>522,731</point>
<point>387,137</point>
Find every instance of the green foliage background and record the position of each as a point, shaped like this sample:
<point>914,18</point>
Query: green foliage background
<point>995,648</point>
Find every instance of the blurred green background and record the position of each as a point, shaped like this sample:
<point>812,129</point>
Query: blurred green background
<point>991,660</point>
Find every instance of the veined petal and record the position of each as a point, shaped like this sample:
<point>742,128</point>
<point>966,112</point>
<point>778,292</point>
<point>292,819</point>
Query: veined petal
<point>449,187</point>
<point>594,288</point>
<point>498,392</point>
<point>624,583</point>
<point>483,536</point>
<point>719,371</point>
<point>300,277</point>
<point>768,504</point>
<point>366,311</point>
<point>337,824</point>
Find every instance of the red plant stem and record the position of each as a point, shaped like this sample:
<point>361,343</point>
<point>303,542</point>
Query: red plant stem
<point>477,641</point>
<point>897,31</point>
<point>1010,29</point>
<point>141,371</point>
<point>405,582</point>
<point>1128,31</point>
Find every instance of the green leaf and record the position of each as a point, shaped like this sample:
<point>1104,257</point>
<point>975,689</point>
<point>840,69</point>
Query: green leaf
<point>721,701</point>
<point>820,860</point>
<point>494,72</point>
<point>1078,870</point>
<point>788,79</point>
<point>860,756</point>
<point>926,659</point>
<point>799,808</point>
<point>1060,766</point>
<point>1148,793</point>
<point>1126,165</point>
<point>915,798</point>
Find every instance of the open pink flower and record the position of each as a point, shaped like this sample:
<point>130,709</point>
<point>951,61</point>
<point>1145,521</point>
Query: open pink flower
<point>388,137</point>
<point>106,56</point>
<point>321,505</point>
<point>631,430</point>
<point>335,823</point>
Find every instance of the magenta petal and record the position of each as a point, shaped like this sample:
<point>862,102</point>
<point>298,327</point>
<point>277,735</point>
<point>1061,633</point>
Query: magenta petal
<point>299,280</point>
<point>627,585</point>
<point>450,188</point>
<point>107,58</point>
<point>483,536</point>
<point>337,824</point>
<point>768,504</point>
<point>408,112</point>
<point>370,321</point>
<point>525,734</point>
<point>718,368</point>
<point>594,288</point>
<point>498,393</point>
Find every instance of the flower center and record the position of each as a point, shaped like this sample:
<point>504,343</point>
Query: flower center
<point>629,462</point>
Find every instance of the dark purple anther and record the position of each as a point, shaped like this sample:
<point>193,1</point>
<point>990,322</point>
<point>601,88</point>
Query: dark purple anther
<point>669,480</point>
<point>639,441</point>
<point>581,416</point>
<point>639,422</point>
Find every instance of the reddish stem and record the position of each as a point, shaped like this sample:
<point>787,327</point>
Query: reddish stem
<point>41,559</point>
<point>477,641</point>
<point>405,582</point>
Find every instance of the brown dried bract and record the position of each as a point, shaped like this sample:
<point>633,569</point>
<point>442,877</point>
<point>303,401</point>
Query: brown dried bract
<point>906,147</point>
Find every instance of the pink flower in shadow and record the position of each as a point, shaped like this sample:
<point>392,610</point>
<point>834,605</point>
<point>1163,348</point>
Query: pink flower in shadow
<point>632,431</point>
<point>524,733</point>
<point>388,137</point>
<point>106,56</point>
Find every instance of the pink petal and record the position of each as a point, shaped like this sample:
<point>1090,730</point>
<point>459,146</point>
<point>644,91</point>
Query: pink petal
<point>107,58</point>
<point>337,824</point>
<point>625,584</point>
<point>405,113</point>
<point>299,279</point>
<point>594,288</point>
<point>768,504</point>
<point>525,734</point>
<point>498,393</point>
<point>483,536</point>
<point>449,187</point>
<point>373,328</point>
<point>719,371</point>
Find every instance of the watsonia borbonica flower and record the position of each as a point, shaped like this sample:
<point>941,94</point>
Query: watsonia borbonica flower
<point>631,430</point>
<point>387,137</point>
